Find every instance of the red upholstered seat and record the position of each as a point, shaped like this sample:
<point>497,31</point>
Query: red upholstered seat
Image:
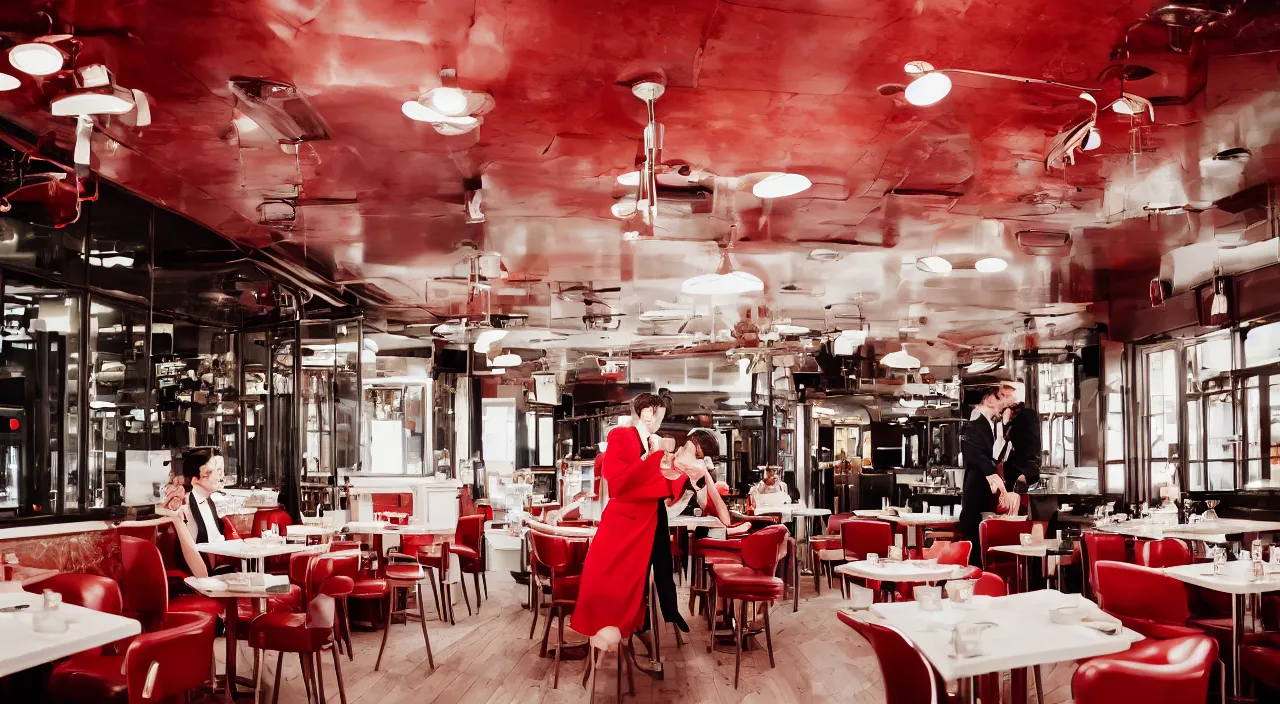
<point>181,655</point>
<point>1099,547</point>
<point>145,587</point>
<point>405,573</point>
<point>742,582</point>
<point>860,538</point>
<point>908,676</point>
<point>287,632</point>
<point>990,584</point>
<point>1262,660</point>
<point>465,553</point>
<point>1169,552</point>
<point>1172,671</point>
<point>754,580</point>
<point>562,559</point>
<point>1144,599</point>
<point>369,589</point>
<point>994,532</point>
<point>195,604</point>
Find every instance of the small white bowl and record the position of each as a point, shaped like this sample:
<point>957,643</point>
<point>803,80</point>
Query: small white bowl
<point>1067,615</point>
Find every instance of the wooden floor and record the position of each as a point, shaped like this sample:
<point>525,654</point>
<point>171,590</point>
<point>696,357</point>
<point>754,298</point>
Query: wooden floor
<point>489,657</point>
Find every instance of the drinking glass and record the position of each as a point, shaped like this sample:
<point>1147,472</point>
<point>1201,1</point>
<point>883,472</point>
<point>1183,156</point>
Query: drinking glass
<point>1025,540</point>
<point>873,559</point>
<point>1219,560</point>
<point>929,598</point>
<point>1211,514</point>
<point>966,639</point>
<point>960,591</point>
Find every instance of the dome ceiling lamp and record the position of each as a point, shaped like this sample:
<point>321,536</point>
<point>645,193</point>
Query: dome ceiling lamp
<point>900,359</point>
<point>727,281</point>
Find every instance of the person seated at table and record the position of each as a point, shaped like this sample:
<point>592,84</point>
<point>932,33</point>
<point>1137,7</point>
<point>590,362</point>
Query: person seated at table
<point>174,507</point>
<point>202,470</point>
<point>771,484</point>
<point>708,492</point>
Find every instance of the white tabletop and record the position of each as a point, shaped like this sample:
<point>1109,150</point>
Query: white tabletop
<point>380,528</point>
<point>921,519</point>
<point>1149,530</point>
<point>793,510</point>
<point>694,522</point>
<point>904,571</point>
<point>209,585</point>
<point>254,548</point>
<point>22,648</point>
<point>1041,550</point>
<point>870,513</point>
<point>1237,578</point>
<point>1023,635</point>
<point>306,530</point>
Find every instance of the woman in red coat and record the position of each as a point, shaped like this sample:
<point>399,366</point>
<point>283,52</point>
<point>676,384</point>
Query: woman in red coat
<point>611,597</point>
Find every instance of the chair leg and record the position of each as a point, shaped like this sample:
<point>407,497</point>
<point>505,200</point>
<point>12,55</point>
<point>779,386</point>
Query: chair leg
<point>555,677</point>
<point>306,679</point>
<point>435,595</point>
<point>737,641</point>
<point>275,691</point>
<point>535,600</point>
<point>431,660</point>
<point>595,666</point>
<point>1039,685</point>
<point>318,673</point>
<point>346,628</point>
<point>476,579</point>
<point>337,671</point>
<point>768,632</point>
<point>462,582</point>
<point>484,579</point>
<point>386,627</point>
<point>257,675</point>
<point>619,648</point>
<point>586,671</point>
<point>546,632</point>
<point>631,675</point>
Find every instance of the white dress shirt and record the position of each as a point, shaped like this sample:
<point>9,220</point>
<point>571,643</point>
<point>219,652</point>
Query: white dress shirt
<point>206,515</point>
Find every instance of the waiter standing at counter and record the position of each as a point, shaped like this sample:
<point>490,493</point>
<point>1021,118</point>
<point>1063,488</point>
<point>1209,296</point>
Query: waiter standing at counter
<point>984,489</point>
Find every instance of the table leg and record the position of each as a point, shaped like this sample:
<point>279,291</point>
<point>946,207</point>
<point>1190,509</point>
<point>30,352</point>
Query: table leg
<point>1237,635</point>
<point>230,620</point>
<point>655,633</point>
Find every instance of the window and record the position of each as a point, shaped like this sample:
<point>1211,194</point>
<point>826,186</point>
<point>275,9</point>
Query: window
<point>1056,403</point>
<point>1160,417</point>
<point>1210,405</point>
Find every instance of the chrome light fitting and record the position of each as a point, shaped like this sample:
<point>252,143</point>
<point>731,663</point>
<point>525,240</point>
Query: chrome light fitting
<point>39,57</point>
<point>645,204</point>
<point>96,94</point>
<point>930,85</point>
<point>448,108</point>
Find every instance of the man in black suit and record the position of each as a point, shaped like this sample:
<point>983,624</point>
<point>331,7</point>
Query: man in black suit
<point>983,490</point>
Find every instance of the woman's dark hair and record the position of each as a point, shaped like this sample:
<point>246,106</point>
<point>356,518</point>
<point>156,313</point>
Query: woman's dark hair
<point>705,441</point>
<point>193,461</point>
<point>644,402</point>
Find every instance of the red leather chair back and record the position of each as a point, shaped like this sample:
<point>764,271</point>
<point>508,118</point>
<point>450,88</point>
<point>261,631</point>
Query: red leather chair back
<point>1133,591</point>
<point>1172,671</point>
<point>1169,552</point>
<point>956,553</point>
<point>339,545</point>
<point>1000,531</point>
<point>469,531</point>
<point>182,656</point>
<point>834,521</point>
<point>143,583</point>
<point>859,537</point>
<point>552,551</point>
<point>1103,546</point>
<point>87,590</point>
<point>990,584</point>
<point>147,533</point>
<point>263,520</point>
<point>908,677</point>
<point>763,549</point>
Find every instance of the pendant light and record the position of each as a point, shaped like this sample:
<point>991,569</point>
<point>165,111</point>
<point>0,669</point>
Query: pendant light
<point>900,359</point>
<point>727,281</point>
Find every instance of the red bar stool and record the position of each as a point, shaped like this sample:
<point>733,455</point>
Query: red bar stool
<point>404,572</point>
<point>563,559</point>
<point>826,549</point>
<point>308,633</point>
<point>154,667</point>
<point>1172,671</point>
<point>707,553</point>
<point>753,581</point>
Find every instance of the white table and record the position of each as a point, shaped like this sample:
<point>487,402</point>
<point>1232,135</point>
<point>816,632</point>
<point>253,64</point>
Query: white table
<point>1024,553</point>
<point>308,531</point>
<point>918,522</point>
<point>1237,580</point>
<point>870,513</point>
<point>254,551</point>
<point>694,522</point>
<point>799,514</point>
<point>381,528</point>
<point>1023,635</point>
<point>22,648</point>
<point>909,571</point>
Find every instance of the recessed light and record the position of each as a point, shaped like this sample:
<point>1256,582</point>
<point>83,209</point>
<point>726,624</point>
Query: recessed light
<point>36,58</point>
<point>991,265</point>
<point>934,265</point>
<point>631,178</point>
<point>781,185</point>
<point>928,89</point>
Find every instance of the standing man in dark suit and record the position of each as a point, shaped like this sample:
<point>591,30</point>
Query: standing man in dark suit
<point>984,490</point>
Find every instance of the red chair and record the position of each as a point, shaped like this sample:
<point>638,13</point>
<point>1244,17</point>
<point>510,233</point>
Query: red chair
<point>563,559</point>
<point>87,590</point>
<point>708,552</point>
<point>345,566</point>
<point>264,520</point>
<point>1099,547</point>
<point>909,677</point>
<point>1262,662</point>
<point>1144,600</point>
<point>469,547</point>
<point>307,634</point>
<point>401,572</point>
<point>1167,671</point>
<point>994,532</point>
<point>754,580</point>
<point>860,538</point>
<point>155,667</point>
<point>1169,552</point>
<point>825,549</point>
<point>990,584</point>
<point>144,587</point>
<point>946,553</point>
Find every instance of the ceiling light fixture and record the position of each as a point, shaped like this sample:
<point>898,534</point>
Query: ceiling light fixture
<point>911,403</point>
<point>37,58</point>
<point>447,108</point>
<point>447,100</point>
<point>626,207</point>
<point>485,339</point>
<point>789,329</point>
<point>991,265</point>
<point>95,93</point>
<point>1093,141</point>
<point>931,85</point>
<point>780,185</point>
<point>900,359</point>
<point>933,265</point>
<point>8,82</point>
<point>727,281</point>
<point>631,179</point>
<point>1130,104</point>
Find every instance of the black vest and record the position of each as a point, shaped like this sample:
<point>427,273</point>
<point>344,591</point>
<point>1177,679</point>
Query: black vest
<point>202,531</point>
